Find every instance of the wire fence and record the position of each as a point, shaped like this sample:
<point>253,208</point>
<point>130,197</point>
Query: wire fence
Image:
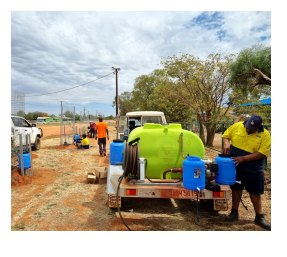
<point>69,126</point>
<point>21,154</point>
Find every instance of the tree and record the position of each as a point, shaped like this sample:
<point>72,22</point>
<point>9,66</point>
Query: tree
<point>35,115</point>
<point>143,90</point>
<point>166,99</point>
<point>20,113</point>
<point>69,114</point>
<point>203,85</point>
<point>251,71</point>
<point>125,103</point>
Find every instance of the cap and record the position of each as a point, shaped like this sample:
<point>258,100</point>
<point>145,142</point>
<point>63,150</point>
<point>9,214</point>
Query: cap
<point>253,122</point>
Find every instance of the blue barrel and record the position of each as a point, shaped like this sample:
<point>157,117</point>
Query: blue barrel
<point>226,174</point>
<point>77,138</point>
<point>193,173</point>
<point>117,152</point>
<point>26,160</point>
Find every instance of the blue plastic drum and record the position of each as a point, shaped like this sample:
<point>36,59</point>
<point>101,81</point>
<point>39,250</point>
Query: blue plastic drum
<point>117,152</point>
<point>193,173</point>
<point>26,160</point>
<point>226,174</point>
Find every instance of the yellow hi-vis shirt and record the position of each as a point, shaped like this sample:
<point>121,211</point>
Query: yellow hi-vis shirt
<point>259,141</point>
<point>85,141</point>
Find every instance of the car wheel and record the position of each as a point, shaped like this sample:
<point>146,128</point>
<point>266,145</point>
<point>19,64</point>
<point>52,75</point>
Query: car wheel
<point>41,131</point>
<point>37,144</point>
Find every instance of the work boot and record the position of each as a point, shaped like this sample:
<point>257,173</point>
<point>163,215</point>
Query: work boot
<point>260,220</point>
<point>233,216</point>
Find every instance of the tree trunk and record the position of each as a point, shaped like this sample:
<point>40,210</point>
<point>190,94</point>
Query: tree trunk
<point>210,131</point>
<point>201,129</point>
<point>262,78</point>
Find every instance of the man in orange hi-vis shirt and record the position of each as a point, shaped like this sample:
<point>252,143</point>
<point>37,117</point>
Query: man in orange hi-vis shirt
<point>101,133</point>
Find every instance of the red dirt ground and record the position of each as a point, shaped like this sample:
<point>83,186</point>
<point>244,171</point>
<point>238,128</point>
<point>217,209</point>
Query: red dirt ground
<point>57,197</point>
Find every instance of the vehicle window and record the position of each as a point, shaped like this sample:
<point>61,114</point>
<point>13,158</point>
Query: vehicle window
<point>122,122</point>
<point>134,122</point>
<point>152,119</point>
<point>19,122</point>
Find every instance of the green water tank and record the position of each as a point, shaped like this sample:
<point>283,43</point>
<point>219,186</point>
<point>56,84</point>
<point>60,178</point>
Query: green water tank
<point>165,147</point>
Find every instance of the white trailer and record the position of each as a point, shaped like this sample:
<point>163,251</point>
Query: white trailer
<point>143,188</point>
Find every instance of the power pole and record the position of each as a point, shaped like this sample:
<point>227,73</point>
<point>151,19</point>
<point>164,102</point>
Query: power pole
<point>117,100</point>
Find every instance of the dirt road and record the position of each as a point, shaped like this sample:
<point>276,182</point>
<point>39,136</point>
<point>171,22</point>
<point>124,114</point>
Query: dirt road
<point>57,197</point>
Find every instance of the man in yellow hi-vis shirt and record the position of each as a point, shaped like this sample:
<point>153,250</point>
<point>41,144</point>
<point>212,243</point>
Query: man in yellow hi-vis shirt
<point>249,144</point>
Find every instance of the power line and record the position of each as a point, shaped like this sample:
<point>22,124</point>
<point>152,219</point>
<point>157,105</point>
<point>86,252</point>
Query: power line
<point>71,87</point>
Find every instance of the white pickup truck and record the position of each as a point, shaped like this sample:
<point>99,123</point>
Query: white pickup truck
<point>137,119</point>
<point>21,126</point>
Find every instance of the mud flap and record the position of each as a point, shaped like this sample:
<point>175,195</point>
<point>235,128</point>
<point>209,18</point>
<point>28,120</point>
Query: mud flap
<point>112,201</point>
<point>220,204</point>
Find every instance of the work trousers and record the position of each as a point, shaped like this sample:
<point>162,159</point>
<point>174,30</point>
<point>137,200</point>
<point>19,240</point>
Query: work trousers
<point>102,145</point>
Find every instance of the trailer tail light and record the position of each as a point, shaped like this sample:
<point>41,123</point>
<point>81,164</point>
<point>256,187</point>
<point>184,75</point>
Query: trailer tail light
<point>219,194</point>
<point>131,192</point>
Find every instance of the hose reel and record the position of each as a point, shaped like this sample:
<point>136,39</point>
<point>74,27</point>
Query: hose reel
<point>131,155</point>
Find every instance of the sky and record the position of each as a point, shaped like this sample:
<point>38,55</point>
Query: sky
<point>68,56</point>
<point>42,53</point>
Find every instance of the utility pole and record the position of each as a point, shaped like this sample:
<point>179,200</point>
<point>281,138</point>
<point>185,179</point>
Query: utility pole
<point>117,100</point>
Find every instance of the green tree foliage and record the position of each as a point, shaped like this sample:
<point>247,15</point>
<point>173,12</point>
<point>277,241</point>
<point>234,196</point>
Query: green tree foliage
<point>189,87</point>
<point>35,115</point>
<point>143,90</point>
<point>126,104</point>
<point>203,85</point>
<point>77,117</point>
<point>250,75</point>
<point>165,98</point>
<point>20,113</point>
<point>155,92</point>
<point>69,114</point>
<point>251,71</point>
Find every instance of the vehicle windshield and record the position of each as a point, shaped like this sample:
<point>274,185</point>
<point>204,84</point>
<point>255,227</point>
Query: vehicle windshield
<point>134,122</point>
<point>152,119</point>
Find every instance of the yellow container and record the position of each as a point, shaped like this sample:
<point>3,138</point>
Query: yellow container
<point>165,147</point>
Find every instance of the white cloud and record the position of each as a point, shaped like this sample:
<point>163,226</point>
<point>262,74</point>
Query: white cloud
<point>58,50</point>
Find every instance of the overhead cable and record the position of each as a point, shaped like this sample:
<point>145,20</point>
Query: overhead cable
<point>71,87</point>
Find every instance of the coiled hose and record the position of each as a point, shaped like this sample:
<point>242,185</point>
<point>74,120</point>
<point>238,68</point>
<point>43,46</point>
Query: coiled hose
<point>131,170</point>
<point>130,165</point>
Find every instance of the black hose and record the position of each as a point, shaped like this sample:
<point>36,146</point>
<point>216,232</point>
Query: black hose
<point>197,212</point>
<point>242,202</point>
<point>173,182</point>
<point>172,170</point>
<point>119,211</point>
<point>131,162</point>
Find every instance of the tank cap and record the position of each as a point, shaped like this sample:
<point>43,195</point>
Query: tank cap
<point>193,158</point>
<point>118,141</point>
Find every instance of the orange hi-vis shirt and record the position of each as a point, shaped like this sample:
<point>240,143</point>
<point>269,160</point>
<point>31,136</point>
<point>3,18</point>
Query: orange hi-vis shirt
<point>101,128</point>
